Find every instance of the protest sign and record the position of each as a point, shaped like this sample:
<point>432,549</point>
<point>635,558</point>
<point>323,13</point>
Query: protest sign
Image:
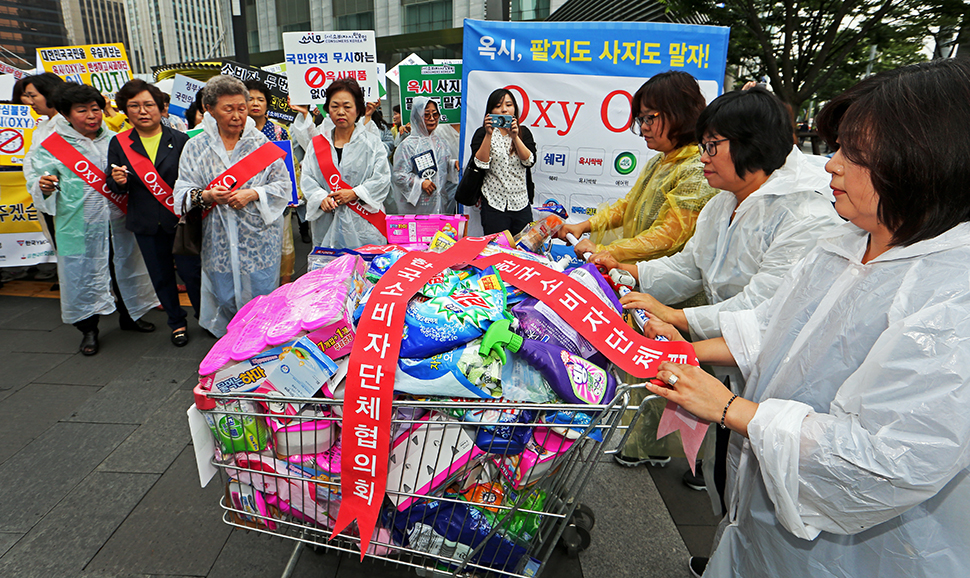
<point>574,83</point>
<point>382,79</point>
<point>440,83</point>
<point>315,59</point>
<point>7,82</point>
<point>17,124</point>
<point>278,107</point>
<point>394,74</point>
<point>21,241</point>
<point>184,90</point>
<point>103,66</point>
<point>16,72</point>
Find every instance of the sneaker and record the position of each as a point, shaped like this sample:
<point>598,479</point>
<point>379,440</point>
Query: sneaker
<point>697,565</point>
<point>628,462</point>
<point>695,481</point>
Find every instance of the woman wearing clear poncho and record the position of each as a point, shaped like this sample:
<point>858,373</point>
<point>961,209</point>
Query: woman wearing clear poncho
<point>93,245</point>
<point>850,445</point>
<point>361,158</point>
<point>659,213</point>
<point>422,166</point>
<point>242,232</point>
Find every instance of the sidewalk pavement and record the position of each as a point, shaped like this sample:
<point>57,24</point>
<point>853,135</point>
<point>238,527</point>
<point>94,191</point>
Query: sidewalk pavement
<point>98,475</point>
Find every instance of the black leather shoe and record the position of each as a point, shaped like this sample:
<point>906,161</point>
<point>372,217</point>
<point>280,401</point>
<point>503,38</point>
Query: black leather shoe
<point>139,325</point>
<point>180,338</point>
<point>89,343</point>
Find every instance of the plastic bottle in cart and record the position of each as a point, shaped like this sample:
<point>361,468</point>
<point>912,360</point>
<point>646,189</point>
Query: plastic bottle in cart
<point>535,235</point>
<point>573,378</point>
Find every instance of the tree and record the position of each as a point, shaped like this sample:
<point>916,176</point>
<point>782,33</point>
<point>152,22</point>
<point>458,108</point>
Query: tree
<point>816,48</point>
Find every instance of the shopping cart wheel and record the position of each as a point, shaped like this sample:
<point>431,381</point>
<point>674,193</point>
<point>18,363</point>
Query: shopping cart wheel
<point>583,516</point>
<point>575,539</point>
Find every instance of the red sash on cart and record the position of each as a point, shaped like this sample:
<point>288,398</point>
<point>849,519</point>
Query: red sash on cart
<point>332,175</point>
<point>147,173</point>
<point>85,170</point>
<point>373,359</point>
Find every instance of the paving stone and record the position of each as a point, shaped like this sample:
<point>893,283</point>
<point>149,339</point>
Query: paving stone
<point>250,553</point>
<point>7,540</point>
<point>63,339</point>
<point>124,402</point>
<point>20,313</point>
<point>117,360</point>
<point>176,529</point>
<point>155,444</point>
<point>19,369</point>
<point>32,410</point>
<point>199,345</point>
<point>73,532</point>
<point>39,476</point>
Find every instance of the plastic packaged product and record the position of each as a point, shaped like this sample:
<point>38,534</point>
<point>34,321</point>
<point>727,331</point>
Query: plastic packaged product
<point>550,207</point>
<point>537,459</point>
<point>300,373</point>
<point>312,432</point>
<point>237,427</point>
<point>461,372</point>
<point>509,435</point>
<point>246,498</point>
<point>523,525</point>
<point>381,263</point>
<point>441,284</point>
<point>284,485</point>
<point>533,237</point>
<point>571,424</point>
<point>639,315</point>
<point>522,382</point>
<point>444,323</point>
<point>574,379</point>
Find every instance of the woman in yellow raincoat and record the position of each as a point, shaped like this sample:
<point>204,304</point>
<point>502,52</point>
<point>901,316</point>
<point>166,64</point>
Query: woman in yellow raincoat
<point>658,215</point>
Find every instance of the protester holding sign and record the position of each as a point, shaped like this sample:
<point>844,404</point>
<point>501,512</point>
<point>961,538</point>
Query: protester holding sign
<point>238,178</point>
<point>748,237</point>
<point>850,443</point>
<point>144,165</point>
<point>92,243</point>
<point>346,176</point>
<point>422,165</point>
<point>507,154</point>
<point>659,213</point>
<point>259,96</point>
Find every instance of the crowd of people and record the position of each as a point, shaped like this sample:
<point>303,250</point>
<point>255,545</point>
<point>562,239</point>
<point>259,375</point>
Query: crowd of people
<point>831,295</point>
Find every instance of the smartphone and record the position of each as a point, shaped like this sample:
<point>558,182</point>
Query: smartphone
<point>501,120</point>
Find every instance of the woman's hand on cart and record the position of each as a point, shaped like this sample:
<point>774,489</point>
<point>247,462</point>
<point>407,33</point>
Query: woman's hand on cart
<point>655,309</point>
<point>657,328</point>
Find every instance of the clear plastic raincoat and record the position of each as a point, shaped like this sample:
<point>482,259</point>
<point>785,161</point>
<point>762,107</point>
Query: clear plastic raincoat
<point>739,263</point>
<point>857,462</point>
<point>41,132</point>
<point>659,213</point>
<point>84,220</point>
<point>422,156</point>
<point>241,249</point>
<point>364,167</point>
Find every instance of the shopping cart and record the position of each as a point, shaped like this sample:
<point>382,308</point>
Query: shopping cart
<point>475,487</point>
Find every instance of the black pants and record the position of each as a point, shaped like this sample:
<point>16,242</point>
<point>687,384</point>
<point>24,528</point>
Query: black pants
<point>495,221</point>
<point>156,250</point>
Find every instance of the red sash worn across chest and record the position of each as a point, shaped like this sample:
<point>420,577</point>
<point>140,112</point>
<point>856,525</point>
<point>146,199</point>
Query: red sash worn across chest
<point>91,174</point>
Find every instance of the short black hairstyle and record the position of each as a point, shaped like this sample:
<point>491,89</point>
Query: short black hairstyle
<point>133,88</point>
<point>347,85</point>
<point>190,113</point>
<point>497,96</point>
<point>166,98</point>
<point>71,93</point>
<point>253,84</point>
<point>396,108</point>
<point>18,90</point>
<point>46,84</point>
<point>757,124</point>
<point>677,97</point>
<point>894,124</point>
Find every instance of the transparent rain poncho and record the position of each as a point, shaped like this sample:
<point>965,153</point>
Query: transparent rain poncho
<point>84,220</point>
<point>241,249</point>
<point>857,463</point>
<point>364,167</point>
<point>422,156</point>
<point>659,213</point>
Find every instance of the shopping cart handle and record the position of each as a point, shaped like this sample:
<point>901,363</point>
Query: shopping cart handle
<point>574,241</point>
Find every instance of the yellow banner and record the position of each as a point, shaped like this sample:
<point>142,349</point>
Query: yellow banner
<point>103,66</point>
<point>17,124</point>
<point>21,241</point>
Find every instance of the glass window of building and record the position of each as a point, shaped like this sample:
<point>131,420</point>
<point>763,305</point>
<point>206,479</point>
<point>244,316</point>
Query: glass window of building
<point>424,16</point>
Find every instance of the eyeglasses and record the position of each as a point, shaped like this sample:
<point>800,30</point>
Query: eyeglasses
<point>146,106</point>
<point>432,116</point>
<point>644,119</point>
<point>710,147</point>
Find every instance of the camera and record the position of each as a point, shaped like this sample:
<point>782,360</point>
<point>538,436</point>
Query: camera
<point>501,120</point>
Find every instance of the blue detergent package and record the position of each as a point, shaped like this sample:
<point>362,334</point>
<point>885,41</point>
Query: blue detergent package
<point>462,372</point>
<point>505,438</point>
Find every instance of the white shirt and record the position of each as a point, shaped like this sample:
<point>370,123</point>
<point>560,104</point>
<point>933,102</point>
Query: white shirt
<point>504,186</point>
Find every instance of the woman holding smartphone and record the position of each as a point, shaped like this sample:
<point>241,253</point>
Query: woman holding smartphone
<point>507,155</point>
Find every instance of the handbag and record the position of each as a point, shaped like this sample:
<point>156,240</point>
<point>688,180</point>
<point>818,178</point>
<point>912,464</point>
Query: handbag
<point>188,233</point>
<point>469,190</point>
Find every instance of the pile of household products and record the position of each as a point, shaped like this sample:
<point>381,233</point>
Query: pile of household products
<point>475,352</point>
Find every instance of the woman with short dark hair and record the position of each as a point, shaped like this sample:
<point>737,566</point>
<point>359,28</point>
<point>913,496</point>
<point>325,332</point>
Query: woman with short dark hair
<point>338,214</point>
<point>659,213</point>
<point>851,441</point>
<point>93,246</point>
<point>259,99</point>
<point>242,229</point>
<point>767,216</point>
<point>137,159</point>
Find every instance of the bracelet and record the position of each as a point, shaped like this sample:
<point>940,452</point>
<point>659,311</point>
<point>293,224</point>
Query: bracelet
<point>197,200</point>
<point>724,413</point>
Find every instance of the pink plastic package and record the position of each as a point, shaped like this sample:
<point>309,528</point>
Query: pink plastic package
<point>328,318</point>
<point>312,432</point>
<point>538,458</point>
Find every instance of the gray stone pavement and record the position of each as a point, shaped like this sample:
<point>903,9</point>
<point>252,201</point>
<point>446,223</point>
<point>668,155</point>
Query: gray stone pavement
<point>98,477</point>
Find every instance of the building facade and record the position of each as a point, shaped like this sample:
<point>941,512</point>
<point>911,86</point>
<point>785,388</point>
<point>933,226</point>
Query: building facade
<point>95,22</point>
<point>25,26</point>
<point>170,31</point>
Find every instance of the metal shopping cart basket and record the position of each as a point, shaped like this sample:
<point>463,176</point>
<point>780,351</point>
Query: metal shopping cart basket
<point>474,488</point>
